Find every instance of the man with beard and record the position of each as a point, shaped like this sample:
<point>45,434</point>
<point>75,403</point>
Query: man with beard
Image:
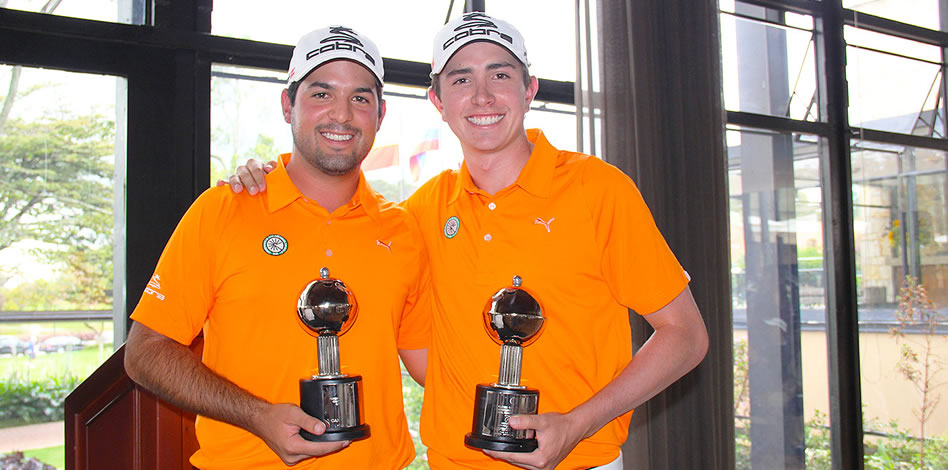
<point>236,266</point>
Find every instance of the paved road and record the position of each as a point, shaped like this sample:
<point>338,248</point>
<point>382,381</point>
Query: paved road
<point>33,436</point>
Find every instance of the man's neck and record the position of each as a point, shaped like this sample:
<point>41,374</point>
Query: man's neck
<point>330,192</point>
<point>494,171</point>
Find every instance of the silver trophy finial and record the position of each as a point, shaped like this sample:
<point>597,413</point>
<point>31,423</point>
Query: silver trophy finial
<point>513,318</point>
<point>329,309</point>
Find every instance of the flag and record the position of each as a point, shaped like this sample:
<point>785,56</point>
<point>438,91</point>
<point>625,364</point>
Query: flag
<point>381,157</point>
<point>417,160</point>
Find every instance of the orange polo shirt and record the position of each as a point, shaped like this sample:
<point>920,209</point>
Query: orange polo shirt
<point>235,267</point>
<point>578,232</point>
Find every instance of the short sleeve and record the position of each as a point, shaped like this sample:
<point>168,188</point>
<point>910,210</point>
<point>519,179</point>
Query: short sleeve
<point>179,294</point>
<point>639,267</point>
<point>414,330</point>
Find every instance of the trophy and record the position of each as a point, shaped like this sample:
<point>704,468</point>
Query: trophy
<point>329,309</point>
<point>513,318</point>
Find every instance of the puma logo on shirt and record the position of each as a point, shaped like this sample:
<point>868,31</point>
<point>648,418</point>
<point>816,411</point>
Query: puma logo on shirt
<point>545,223</point>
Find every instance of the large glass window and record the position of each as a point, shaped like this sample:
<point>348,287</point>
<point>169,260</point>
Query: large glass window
<point>61,181</point>
<point>550,38</point>
<point>780,389</point>
<point>901,229</point>
<point>922,13</point>
<point>768,62</point>
<point>894,84</point>
<point>121,11</point>
<point>402,30</point>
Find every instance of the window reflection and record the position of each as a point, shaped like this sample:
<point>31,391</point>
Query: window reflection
<point>769,63</point>
<point>781,391</point>
<point>894,84</point>
<point>900,212</point>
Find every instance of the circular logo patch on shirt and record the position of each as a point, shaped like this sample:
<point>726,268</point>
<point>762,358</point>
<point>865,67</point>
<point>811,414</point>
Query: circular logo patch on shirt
<point>451,227</point>
<point>275,245</point>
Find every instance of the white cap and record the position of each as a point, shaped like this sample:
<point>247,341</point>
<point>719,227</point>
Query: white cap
<point>476,26</point>
<point>334,42</point>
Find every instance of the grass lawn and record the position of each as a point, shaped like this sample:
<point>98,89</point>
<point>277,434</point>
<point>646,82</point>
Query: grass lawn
<point>79,363</point>
<point>55,456</point>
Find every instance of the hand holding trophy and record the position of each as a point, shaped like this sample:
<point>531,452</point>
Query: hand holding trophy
<point>514,319</point>
<point>329,309</point>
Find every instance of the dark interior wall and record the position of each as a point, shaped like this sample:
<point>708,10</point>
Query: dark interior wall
<point>664,126</point>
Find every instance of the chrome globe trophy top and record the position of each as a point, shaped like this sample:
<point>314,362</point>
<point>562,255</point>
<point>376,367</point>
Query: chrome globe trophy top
<point>329,309</point>
<point>514,319</point>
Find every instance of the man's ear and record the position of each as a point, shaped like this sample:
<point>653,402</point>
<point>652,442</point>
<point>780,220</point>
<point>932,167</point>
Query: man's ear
<point>287,105</point>
<point>436,102</point>
<point>532,90</point>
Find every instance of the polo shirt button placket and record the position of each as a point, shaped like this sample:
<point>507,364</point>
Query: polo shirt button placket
<point>490,206</point>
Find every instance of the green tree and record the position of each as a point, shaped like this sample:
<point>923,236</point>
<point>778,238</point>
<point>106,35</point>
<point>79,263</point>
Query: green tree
<point>56,188</point>
<point>41,294</point>
<point>222,167</point>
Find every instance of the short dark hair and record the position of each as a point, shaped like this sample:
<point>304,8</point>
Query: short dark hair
<point>436,85</point>
<point>295,86</point>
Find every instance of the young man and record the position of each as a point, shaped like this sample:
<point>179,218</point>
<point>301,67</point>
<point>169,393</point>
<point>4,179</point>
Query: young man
<point>578,233</point>
<point>236,266</point>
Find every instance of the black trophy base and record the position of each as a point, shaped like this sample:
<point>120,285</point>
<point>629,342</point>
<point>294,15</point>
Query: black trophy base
<point>354,434</point>
<point>518,445</point>
<point>493,407</point>
<point>337,402</point>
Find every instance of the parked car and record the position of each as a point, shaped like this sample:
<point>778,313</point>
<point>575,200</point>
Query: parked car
<point>60,343</point>
<point>12,345</point>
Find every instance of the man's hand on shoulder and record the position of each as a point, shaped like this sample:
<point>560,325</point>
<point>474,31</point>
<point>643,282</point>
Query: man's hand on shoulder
<point>279,425</point>
<point>251,175</point>
<point>556,433</point>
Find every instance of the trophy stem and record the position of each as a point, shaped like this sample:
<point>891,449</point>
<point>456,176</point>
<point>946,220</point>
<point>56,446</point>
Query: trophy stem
<point>327,348</point>
<point>510,357</point>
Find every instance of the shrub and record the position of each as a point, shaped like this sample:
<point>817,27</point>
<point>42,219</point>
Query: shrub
<point>17,461</point>
<point>24,402</point>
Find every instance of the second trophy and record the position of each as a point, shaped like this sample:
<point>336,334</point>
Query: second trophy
<point>514,319</point>
<point>329,309</point>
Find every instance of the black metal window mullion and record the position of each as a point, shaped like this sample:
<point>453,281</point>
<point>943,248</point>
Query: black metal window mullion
<point>839,244</point>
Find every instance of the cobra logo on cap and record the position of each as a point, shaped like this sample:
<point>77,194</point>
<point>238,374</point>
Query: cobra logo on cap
<point>341,38</point>
<point>476,24</point>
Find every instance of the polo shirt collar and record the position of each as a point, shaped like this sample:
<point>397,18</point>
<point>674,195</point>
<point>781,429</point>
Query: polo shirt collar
<point>536,177</point>
<point>281,191</point>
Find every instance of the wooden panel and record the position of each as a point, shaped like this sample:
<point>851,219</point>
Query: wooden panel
<point>112,423</point>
